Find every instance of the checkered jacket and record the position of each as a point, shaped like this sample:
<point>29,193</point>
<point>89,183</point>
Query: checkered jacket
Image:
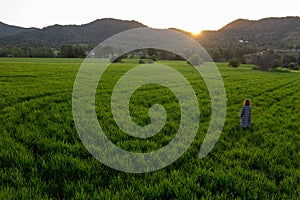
<point>246,116</point>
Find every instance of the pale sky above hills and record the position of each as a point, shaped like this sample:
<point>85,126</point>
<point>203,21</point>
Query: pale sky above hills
<point>190,15</point>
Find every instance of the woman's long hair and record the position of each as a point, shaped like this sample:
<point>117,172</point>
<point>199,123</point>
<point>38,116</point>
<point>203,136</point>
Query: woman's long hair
<point>247,102</point>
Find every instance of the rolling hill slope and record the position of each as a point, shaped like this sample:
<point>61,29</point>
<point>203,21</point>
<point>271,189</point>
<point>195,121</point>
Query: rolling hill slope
<point>272,32</point>
<point>278,33</point>
<point>8,30</point>
<point>58,35</point>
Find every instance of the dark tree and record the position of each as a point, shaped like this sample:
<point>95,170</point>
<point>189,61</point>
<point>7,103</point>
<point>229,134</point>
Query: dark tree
<point>79,52</point>
<point>70,51</point>
<point>293,66</point>
<point>287,59</point>
<point>234,62</point>
<point>264,61</point>
<point>66,51</point>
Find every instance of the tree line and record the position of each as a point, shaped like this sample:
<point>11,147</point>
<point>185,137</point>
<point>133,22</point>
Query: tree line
<point>268,59</point>
<point>263,59</point>
<point>26,51</point>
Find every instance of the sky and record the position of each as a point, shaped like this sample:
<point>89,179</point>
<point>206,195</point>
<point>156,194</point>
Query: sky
<point>189,15</point>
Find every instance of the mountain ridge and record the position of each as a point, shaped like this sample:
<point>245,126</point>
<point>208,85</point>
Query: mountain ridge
<point>274,32</point>
<point>57,35</point>
<point>281,32</point>
<point>6,30</point>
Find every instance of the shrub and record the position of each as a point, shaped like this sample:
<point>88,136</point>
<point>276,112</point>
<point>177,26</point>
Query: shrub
<point>287,59</point>
<point>195,59</point>
<point>234,62</point>
<point>293,66</point>
<point>264,61</point>
<point>255,67</point>
<point>141,61</point>
<point>153,57</point>
<point>116,59</point>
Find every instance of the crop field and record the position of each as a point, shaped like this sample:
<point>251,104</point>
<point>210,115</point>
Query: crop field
<point>42,156</point>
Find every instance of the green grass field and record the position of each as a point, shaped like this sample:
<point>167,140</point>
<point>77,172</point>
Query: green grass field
<point>42,157</point>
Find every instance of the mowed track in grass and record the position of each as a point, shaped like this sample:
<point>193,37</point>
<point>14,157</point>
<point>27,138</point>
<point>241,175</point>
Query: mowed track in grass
<point>41,155</point>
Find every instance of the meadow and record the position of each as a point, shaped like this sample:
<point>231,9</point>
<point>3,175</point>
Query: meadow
<point>42,157</point>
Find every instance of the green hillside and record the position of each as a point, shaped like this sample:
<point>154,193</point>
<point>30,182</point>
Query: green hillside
<point>58,35</point>
<point>8,30</point>
<point>277,33</point>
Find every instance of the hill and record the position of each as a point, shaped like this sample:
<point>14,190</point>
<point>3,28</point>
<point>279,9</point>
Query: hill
<point>57,35</point>
<point>276,33</point>
<point>269,32</point>
<point>8,30</point>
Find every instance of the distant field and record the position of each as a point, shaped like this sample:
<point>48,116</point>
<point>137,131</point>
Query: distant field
<point>42,157</point>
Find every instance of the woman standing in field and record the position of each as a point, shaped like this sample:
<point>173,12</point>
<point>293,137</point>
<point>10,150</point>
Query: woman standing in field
<point>246,114</point>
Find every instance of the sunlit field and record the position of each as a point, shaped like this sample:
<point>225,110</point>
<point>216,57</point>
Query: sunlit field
<point>42,157</point>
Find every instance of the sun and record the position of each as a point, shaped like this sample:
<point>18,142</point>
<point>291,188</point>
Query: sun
<point>196,32</point>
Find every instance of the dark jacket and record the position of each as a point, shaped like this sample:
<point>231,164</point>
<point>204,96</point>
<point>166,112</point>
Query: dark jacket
<point>246,116</point>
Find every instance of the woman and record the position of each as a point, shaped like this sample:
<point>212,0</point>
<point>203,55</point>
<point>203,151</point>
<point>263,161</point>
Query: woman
<point>246,114</point>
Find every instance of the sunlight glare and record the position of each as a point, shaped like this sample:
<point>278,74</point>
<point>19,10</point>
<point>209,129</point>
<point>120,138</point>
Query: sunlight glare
<point>196,33</point>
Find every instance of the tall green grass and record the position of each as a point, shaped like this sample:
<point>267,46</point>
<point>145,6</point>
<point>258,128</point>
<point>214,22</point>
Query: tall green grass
<point>42,157</point>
